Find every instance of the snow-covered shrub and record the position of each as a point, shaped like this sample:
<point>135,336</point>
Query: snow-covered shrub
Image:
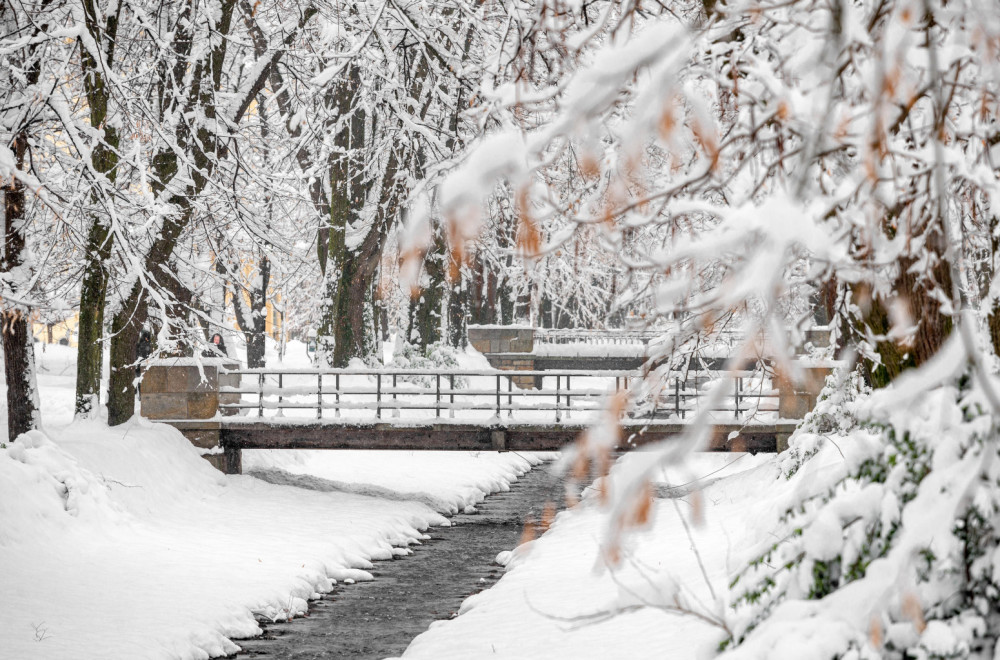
<point>888,544</point>
<point>835,414</point>
<point>436,357</point>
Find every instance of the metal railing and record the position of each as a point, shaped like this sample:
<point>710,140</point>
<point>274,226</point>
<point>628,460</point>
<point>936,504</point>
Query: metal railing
<point>373,394</point>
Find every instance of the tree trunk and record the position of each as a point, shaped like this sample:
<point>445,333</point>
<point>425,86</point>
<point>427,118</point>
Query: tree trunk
<point>933,327</point>
<point>18,353</point>
<point>104,159</point>
<point>458,306</point>
<point>204,150</point>
<point>128,321</point>
<point>425,323</point>
<point>256,334</point>
<point>19,368</point>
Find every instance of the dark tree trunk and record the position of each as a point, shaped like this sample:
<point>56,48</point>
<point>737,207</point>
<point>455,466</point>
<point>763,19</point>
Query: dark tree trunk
<point>933,326</point>
<point>505,296</point>
<point>257,334</point>
<point>426,309</point>
<point>18,353</point>
<point>104,159</point>
<point>19,369</point>
<point>482,294</point>
<point>340,337</point>
<point>458,307</point>
<point>126,326</point>
<point>130,318</point>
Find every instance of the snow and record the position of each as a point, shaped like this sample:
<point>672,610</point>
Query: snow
<point>126,543</point>
<point>583,349</point>
<point>560,599</point>
<point>446,481</point>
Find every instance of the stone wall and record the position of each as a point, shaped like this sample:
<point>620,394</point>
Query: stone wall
<point>506,348</point>
<point>798,397</point>
<point>181,390</point>
<point>502,338</point>
<point>175,390</point>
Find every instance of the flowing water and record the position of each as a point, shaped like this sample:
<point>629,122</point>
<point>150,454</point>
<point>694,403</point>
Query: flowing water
<point>378,619</point>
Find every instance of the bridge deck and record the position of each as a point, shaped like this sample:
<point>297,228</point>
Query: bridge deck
<point>236,434</point>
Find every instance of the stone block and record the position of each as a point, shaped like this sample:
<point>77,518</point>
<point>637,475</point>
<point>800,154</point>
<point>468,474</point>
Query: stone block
<point>229,380</point>
<point>795,399</point>
<point>163,405</point>
<point>498,440</point>
<point>195,383</point>
<point>202,405</point>
<point>205,438</point>
<point>524,382</point>
<point>739,443</point>
<point>154,379</point>
<point>218,461</point>
<point>177,379</point>
<point>481,345</point>
<point>495,346</point>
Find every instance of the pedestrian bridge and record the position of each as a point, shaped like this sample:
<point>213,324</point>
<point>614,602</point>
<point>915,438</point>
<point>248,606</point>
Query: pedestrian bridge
<point>216,403</point>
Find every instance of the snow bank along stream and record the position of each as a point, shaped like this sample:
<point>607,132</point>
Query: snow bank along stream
<point>378,619</point>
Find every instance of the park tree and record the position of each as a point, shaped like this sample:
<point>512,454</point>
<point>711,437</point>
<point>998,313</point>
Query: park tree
<point>739,158</point>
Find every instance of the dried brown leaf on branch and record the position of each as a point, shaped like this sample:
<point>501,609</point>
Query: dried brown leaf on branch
<point>529,237</point>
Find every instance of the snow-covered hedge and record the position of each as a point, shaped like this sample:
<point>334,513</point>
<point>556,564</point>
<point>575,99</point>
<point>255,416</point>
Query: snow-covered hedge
<point>887,546</point>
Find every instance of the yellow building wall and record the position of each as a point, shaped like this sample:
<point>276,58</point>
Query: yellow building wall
<point>65,329</point>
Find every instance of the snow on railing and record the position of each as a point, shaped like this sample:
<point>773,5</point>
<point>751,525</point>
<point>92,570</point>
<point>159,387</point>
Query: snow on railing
<point>643,337</point>
<point>550,336</point>
<point>432,394</point>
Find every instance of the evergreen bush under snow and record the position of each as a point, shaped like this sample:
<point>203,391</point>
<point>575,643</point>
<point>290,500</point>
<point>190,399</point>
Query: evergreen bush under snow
<point>886,542</point>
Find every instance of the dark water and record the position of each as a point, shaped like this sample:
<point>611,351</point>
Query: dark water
<point>378,619</point>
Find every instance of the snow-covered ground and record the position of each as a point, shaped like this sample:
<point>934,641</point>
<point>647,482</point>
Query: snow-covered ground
<point>125,543</point>
<point>560,598</point>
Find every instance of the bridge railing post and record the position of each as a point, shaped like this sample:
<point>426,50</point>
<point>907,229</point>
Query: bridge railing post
<point>437,395</point>
<point>498,396</point>
<point>260,395</point>
<point>569,388</point>
<point>378,395</point>
<point>738,383</point>
<point>558,397</point>
<point>510,396</point>
<point>395,408</point>
<point>451,395</point>
<point>319,396</point>
<point>336,385</point>
<point>281,387</point>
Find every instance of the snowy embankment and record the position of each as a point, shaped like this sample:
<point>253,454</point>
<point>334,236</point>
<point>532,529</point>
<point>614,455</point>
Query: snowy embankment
<point>559,599</point>
<point>447,481</point>
<point>125,543</point>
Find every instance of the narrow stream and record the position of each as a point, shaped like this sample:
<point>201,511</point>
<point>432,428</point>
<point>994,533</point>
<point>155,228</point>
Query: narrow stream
<point>378,619</point>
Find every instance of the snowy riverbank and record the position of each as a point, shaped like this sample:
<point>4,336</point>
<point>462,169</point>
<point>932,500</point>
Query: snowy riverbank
<point>558,599</point>
<point>125,543</point>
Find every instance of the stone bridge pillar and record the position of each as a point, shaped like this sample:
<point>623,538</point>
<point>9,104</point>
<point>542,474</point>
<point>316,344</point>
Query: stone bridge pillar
<point>508,348</point>
<point>173,390</point>
<point>796,398</point>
